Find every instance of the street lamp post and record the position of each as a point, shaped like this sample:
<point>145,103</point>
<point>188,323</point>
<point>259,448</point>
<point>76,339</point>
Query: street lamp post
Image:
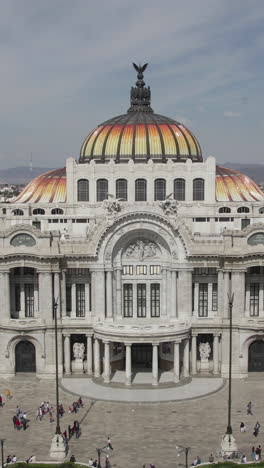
<point>2,451</point>
<point>185,450</point>
<point>58,448</point>
<point>99,451</point>
<point>229,445</point>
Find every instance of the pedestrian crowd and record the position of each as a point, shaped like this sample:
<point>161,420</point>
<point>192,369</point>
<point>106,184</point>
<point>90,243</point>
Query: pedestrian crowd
<point>20,419</point>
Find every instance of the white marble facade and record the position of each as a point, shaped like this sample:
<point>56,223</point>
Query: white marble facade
<point>137,284</point>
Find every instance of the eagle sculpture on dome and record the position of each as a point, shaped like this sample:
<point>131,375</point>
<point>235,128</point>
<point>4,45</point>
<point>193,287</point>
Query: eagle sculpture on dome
<point>140,69</point>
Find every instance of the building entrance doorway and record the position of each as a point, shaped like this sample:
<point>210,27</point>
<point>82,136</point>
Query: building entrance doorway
<point>25,355</point>
<point>142,356</point>
<point>256,356</point>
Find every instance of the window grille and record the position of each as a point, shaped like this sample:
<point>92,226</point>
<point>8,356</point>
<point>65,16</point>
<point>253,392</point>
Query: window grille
<point>18,212</point>
<point>224,209</point>
<point>244,223</point>
<point>203,300</point>
<point>102,190</point>
<point>29,300</point>
<point>141,190</point>
<point>160,189</point>
<point>243,209</point>
<point>38,211</point>
<point>155,300</point>
<point>155,269</point>
<point>214,297</point>
<point>179,189</point>
<point>121,189</point>
<point>57,211</point>
<point>141,300</point>
<point>80,300</point>
<point>141,269</point>
<point>128,270</point>
<point>254,299</point>
<point>83,190</point>
<point>68,299</point>
<point>128,300</point>
<point>198,189</point>
<point>17,297</point>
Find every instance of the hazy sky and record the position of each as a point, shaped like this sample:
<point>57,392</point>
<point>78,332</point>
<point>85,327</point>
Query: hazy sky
<point>66,67</point>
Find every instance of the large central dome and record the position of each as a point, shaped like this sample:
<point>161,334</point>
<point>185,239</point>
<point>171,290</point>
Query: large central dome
<point>140,134</point>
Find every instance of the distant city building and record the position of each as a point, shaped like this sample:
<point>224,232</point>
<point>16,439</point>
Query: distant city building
<point>139,242</point>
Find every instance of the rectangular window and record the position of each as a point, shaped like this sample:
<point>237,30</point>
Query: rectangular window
<point>214,297</point>
<point>17,298</point>
<point>29,300</point>
<point>128,300</point>
<point>80,300</point>
<point>141,269</point>
<point>155,300</point>
<point>68,299</point>
<point>141,300</point>
<point>36,224</point>
<point>155,269</point>
<point>203,300</point>
<point>254,299</point>
<point>128,270</point>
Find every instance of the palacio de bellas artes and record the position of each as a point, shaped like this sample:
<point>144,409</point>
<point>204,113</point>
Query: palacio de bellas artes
<point>138,242</point>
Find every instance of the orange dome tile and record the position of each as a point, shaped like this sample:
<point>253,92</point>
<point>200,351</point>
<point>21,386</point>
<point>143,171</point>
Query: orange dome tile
<point>234,186</point>
<point>46,188</point>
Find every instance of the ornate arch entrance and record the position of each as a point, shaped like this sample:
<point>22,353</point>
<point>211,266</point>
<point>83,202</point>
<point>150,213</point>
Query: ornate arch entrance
<point>25,355</point>
<point>256,356</point>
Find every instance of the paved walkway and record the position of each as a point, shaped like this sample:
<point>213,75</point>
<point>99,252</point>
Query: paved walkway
<point>198,387</point>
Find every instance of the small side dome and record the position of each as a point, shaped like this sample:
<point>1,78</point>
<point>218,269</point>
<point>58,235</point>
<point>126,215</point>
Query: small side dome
<point>46,188</point>
<point>234,186</point>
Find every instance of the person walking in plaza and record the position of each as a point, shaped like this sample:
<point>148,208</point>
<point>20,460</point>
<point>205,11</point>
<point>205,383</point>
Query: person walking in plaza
<point>253,454</point>
<point>242,427</point>
<point>1,402</point>
<point>249,408</point>
<point>109,445</point>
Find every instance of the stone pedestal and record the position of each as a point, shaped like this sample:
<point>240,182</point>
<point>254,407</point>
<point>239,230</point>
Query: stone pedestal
<point>228,444</point>
<point>204,369</point>
<point>77,366</point>
<point>58,448</point>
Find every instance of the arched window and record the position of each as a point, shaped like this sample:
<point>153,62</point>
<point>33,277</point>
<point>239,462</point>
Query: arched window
<point>57,211</point>
<point>261,210</point>
<point>102,190</point>
<point>224,209</point>
<point>198,189</point>
<point>18,212</point>
<point>179,189</point>
<point>83,190</point>
<point>141,190</point>
<point>121,189</point>
<point>160,189</point>
<point>38,211</point>
<point>243,209</point>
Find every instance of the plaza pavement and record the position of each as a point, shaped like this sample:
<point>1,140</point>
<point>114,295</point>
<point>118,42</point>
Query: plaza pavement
<point>140,433</point>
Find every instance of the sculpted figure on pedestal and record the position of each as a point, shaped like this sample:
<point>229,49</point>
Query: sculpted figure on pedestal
<point>205,351</point>
<point>78,350</point>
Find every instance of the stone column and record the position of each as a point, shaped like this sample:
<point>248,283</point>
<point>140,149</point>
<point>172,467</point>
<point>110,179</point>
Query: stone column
<point>164,292</point>
<point>216,353</point>
<point>247,306</point>
<point>109,294</point>
<point>118,293</point>
<point>67,354</point>
<point>210,298</point>
<point>168,293</point>
<point>196,298</point>
<point>87,298</point>
<point>173,293</point>
<point>22,301</point>
<point>89,354</point>
<point>97,364</point>
<point>73,300</point>
<point>45,296</point>
<point>7,293</point>
<point>155,364</point>
<point>238,288</point>
<point>176,367</point>
<point>194,354</point>
<point>261,299</point>
<point>227,289</point>
<point>128,363</point>
<point>185,293</point>
<point>220,289</point>
<point>63,294</point>
<point>107,370</point>
<point>36,309</point>
<point>186,365</point>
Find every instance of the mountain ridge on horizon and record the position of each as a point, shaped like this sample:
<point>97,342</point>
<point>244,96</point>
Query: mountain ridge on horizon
<point>23,174</point>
